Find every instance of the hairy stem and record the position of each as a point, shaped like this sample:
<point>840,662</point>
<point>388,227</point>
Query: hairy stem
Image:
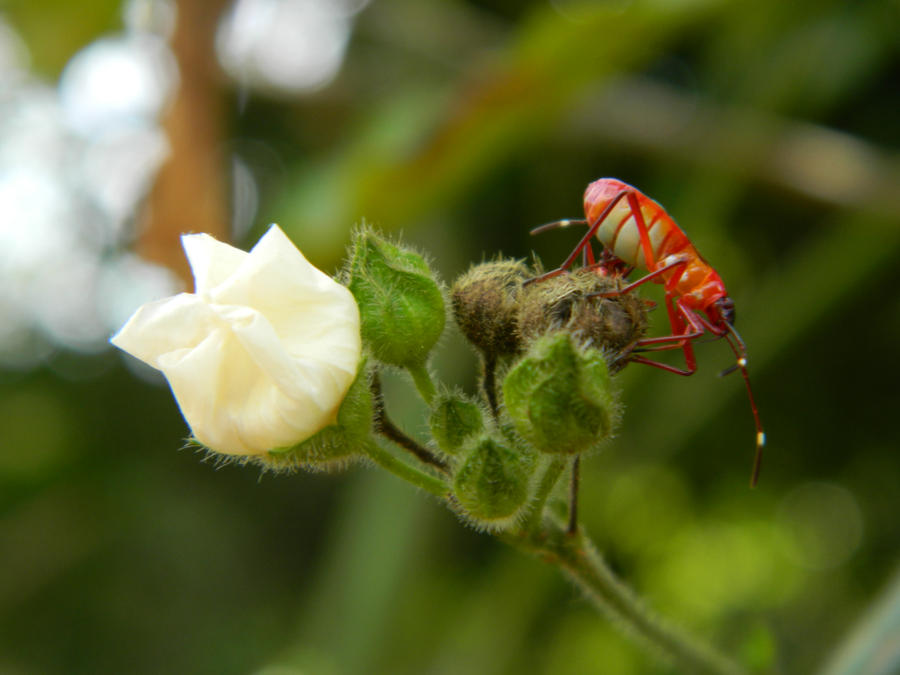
<point>573,495</point>
<point>385,427</point>
<point>489,383</point>
<point>574,554</point>
<point>551,475</point>
<point>399,468</point>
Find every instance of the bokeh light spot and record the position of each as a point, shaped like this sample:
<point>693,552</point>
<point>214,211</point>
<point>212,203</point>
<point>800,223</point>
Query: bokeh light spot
<point>825,522</point>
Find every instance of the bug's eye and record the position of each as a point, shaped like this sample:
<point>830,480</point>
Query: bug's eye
<point>726,309</point>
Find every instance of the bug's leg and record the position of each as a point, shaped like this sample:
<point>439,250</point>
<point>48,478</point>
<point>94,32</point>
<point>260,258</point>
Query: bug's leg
<point>643,231</point>
<point>585,240</point>
<point>643,280</point>
<point>610,266</point>
<point>686,327</point>
<point>587,257</point>
<point>662,366</point>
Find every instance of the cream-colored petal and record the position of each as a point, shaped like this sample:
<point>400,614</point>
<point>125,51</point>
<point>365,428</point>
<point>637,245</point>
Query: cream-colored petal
<point>165,325</point>
<point>294,398</point>
<point>197,377</point>
<point>212,262</point>
<point>243,394</point>
<point>315,316</point>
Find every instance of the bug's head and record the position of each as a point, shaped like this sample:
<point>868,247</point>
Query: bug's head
<point>723,310</point>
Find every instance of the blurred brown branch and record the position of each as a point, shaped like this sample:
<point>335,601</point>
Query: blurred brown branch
<point>190,192</point>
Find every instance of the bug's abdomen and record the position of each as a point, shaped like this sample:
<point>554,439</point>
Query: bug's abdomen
<point>619,231</point>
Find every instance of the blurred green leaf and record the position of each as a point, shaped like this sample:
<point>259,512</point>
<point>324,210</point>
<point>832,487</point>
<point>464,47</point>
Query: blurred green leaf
<point>873,647</point>
<point>55,29</point>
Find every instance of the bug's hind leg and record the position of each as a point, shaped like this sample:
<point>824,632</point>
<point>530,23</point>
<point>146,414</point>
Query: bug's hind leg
<point>687,326</point>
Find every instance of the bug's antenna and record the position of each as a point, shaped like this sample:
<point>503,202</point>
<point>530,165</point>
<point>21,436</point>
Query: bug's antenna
<point>557,224</point>
<point>740,351</point>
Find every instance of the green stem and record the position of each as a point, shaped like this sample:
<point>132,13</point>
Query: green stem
<point>573,495</point>
<point>551,475</point>
<point>576,556</point>
<point>410,474</point>
<point>489,384</point>
<point>392,432</point>
<point>422,380</point>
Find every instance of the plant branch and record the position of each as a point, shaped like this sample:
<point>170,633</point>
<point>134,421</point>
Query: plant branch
<point>573,495</point>
<point>551,475</point>
<point>575,555</point>
<point>401,469</point>
<point>385,427</point>
<point>489,383</point>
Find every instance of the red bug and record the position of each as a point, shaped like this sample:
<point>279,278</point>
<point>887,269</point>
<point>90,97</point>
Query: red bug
<point>636,232</point>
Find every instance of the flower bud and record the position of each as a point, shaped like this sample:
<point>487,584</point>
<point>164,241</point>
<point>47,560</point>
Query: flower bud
<point>486,305</point>
<point>261,355</point>
<point>561,304</point>
<point>559,396</point>
<point>401,305</point>
<point>492,485</point>
<point>453,420</point>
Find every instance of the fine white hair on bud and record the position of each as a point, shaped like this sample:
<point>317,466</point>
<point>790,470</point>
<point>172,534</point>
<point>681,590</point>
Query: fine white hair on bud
<point>263,352</point>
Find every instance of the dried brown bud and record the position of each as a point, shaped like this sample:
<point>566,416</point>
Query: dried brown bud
<point>561,303</point>
<point>486,305</point>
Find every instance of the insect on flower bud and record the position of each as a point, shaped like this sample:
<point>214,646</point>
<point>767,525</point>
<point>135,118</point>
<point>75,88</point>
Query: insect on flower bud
<point>562,303</point>
<point>486,305</point>
<point>492,485</point>
<point>401,305</point>
<point>453,420</point>
<point>559,396</point>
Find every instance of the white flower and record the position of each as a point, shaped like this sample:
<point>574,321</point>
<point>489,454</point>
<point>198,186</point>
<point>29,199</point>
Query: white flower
<point>261,355</point>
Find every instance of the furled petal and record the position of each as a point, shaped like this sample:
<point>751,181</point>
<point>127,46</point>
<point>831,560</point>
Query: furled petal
<point>160,327</point>
<point>316,317</point>
<point>212,262</point>
<point>262,356</point>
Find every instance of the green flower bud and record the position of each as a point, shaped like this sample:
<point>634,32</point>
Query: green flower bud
<point>486,305</point>
<point>561,304</point>
<point>400,304</point>
<point>492,485</point>
<point>453,420</point>
<point>559,396</point>
<point>336,445</point>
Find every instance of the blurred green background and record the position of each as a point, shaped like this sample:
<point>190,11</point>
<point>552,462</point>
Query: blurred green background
<point>769,130</point>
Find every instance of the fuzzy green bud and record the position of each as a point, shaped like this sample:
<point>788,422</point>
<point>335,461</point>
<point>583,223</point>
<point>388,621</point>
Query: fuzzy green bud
<point>401,306</point>
<point>492,484</point>
<point>453,420</point>
<point>559,396</point>
<point>336,445</point>
<point>486,305</point>
<point>562,304</point>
